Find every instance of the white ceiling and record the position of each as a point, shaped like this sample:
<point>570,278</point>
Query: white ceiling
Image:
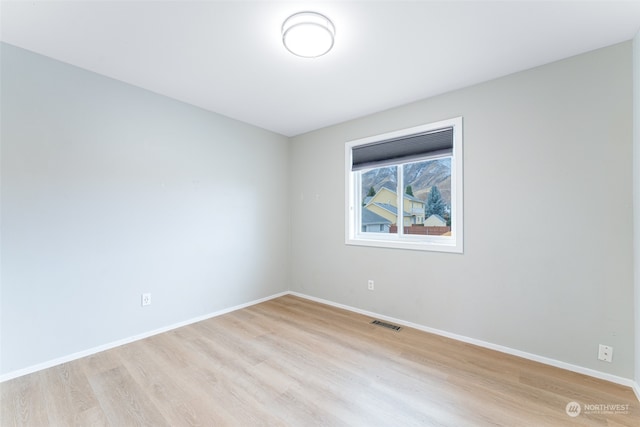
<point>227,57</point>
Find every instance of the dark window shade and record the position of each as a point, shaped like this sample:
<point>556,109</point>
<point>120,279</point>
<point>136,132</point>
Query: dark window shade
<point>405,149</point>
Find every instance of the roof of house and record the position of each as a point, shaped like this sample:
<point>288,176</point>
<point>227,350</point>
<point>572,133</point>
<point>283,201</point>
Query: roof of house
<point>412,198</point>
<point>438,217</point>
<point>390,208</point>
<point>371,218</point>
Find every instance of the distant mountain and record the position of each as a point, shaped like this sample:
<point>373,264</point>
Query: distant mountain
<point>421,176</point>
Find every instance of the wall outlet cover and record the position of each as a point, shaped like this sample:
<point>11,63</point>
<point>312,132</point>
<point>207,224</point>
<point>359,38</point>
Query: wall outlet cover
<point>605,353</point>
<point>146,299</point>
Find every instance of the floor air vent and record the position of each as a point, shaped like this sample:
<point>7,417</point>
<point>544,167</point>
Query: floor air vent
<point>386,325</point>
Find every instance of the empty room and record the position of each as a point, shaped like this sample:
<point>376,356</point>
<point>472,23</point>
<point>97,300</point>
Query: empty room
<point>331,213</point>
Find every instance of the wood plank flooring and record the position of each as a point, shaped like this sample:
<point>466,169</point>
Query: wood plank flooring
<point>293,362</point>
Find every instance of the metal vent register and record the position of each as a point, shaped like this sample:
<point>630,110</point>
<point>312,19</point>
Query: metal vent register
<point>386,325</point>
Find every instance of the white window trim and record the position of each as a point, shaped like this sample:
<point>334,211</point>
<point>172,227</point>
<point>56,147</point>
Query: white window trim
<point>355,236</point>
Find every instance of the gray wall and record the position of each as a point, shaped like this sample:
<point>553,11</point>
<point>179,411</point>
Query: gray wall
<point>109,191</point>
<point>548,262</point>
<point>636,196</point>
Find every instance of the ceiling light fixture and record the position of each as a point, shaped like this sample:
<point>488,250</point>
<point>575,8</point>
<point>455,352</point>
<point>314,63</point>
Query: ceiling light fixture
<point>308,34</point>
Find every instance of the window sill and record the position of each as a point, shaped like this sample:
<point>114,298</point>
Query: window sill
<point>431,246</point>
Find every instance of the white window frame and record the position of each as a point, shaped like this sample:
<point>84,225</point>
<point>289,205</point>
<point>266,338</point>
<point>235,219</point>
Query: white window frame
<point>353,207</point>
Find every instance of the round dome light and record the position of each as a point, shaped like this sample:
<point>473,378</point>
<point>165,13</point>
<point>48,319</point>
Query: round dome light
<point>308,34</point>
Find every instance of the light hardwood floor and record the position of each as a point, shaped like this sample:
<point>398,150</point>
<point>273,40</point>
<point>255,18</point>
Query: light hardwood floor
<point>293,362</point>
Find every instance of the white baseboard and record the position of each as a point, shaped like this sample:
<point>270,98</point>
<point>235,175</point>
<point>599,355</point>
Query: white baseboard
<point>30,369</point>
<point>530,356</point>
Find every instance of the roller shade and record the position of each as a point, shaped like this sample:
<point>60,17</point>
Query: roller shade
<point>404,149</point>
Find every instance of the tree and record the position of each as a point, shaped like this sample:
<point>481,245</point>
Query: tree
<point>447,218</point>
<point>435,203</point>
<point>372,192</point>
<point>409,190</point>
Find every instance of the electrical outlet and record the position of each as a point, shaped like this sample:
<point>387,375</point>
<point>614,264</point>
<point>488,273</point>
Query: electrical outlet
<point>146,299</point>
<point>370,285</point>
<point>605,353</point>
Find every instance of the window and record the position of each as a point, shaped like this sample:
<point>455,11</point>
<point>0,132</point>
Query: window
<point>404,188</point>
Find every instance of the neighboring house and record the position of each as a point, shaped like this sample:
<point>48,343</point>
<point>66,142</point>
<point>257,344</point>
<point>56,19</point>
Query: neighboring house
<point>385,198</point>
<point>389,212</point>
<point>435,221</point>
<point>372,222</point>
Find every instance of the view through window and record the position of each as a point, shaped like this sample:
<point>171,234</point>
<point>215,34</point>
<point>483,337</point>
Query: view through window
<point>426,198</point>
